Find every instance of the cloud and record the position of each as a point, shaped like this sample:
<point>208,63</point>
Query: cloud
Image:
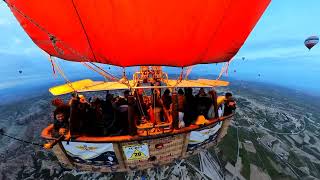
<point>16,50</point>
<point>4,22</point>
<point>17,40</point>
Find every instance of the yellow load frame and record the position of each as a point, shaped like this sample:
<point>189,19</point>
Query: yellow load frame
<point>88,85</point>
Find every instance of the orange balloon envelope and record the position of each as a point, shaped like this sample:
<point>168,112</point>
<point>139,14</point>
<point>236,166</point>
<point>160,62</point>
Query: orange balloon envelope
<point>139,32</point>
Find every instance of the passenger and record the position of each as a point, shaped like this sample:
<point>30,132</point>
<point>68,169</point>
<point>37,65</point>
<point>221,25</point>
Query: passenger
<point>180,100</point>
<point>121,107</point>
<point>96,117</point>
<point>61,107</point>
<point>60,125</point>
<point>211,111</point>
<point>80,115</point>
<point>201,93</point>
<point>180,108</point>
<point>157,83</point>
<point>188,107</point>
<point>74,96</point>
<point>156,110</point>
<point>61,117</point>
<point>203,103</point>
<point>108,114</point>
<point>229,104</point>
<point>166,99</point>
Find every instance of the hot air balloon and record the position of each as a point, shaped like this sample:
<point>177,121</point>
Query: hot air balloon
<point>20,71</point>
<point>311,41</point>
<point>144,33</point>
<point>243,58</point>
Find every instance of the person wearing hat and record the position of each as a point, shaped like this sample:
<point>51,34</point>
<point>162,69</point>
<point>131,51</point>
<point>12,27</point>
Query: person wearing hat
<point>229,104</point>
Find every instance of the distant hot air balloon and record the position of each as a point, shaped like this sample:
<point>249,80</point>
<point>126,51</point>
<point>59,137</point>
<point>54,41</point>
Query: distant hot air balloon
<point>234,71</point>
<point>311,41</point>
<point>243,58</point>
<point>259,75</point>
<point>20,71</point>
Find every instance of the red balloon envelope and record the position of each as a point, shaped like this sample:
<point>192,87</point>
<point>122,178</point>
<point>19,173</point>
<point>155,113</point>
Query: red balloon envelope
<point>139,32</point>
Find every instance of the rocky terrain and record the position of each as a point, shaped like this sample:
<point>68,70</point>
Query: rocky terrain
<point>275,135</point>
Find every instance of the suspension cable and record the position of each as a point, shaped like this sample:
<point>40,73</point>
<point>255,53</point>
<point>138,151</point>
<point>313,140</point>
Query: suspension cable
<point>188,71</point>
<point>225,68</point>
<point>221,71</point>
<point>60,71</point>
<point>99,72</point>
<point>28,18</point>
<point>180,78</point>
<point>114,77</point>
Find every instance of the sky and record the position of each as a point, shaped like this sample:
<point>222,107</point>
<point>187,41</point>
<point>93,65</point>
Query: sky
<point>274,49</point>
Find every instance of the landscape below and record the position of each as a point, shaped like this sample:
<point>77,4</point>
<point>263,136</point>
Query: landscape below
<point>277,131</point>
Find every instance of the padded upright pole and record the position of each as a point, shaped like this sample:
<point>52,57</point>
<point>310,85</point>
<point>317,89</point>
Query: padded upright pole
<point>214,97</point>
<point>175,114</point>
<point>132,125</point>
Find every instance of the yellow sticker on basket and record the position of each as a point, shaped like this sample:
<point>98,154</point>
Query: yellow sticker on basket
<point>136,152</point>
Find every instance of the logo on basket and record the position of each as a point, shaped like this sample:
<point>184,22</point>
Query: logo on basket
<point>137,155</point>
<point>86,148</point>
<point>136,151</point>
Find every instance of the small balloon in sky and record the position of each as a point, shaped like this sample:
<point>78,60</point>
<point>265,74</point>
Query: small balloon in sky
<point>259,75</point>
<point>234,71</point>
<point>311,41</point>
<point>20,71</point>
<point>243,58</point>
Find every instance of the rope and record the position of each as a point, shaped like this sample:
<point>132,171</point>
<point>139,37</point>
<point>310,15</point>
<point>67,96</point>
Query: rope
<point>99,72</point>
<point>62,74</point>
<point>222,71</point>
<point>52,64</point>
<point>181,75</point>
<point>188,71</point>
<point>180,78</point>
<point>199,171</point>
<point>139,104</point>
<point>114,77</point>
<point>225,69</point>
<point>28,18</point>
<point>21,140</point>
<point>209,166</point>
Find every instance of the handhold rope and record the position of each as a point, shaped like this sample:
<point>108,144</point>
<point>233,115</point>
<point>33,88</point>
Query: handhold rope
<point>18,139</point>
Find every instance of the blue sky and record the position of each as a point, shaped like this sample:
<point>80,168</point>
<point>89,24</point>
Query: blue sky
<point>274,49</point>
